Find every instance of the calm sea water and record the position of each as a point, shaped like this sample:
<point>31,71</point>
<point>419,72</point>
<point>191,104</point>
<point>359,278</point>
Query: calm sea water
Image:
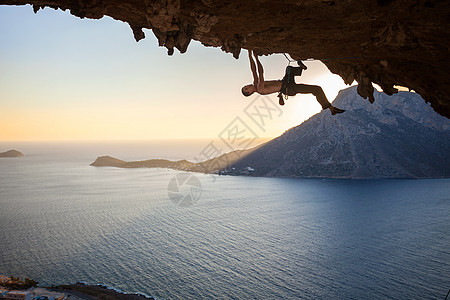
<point>63,221</point>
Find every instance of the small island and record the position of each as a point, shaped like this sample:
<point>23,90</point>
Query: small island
<point>11,153</point>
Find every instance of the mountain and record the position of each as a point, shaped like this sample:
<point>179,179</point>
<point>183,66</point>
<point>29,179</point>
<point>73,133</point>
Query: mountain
<point>11,153</point>
<point>397,136</point>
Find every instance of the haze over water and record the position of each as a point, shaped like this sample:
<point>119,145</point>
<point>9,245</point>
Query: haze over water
<point>63,221</point>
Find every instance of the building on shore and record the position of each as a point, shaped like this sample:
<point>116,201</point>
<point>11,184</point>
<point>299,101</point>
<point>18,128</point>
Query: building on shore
<point>31,294</point>
<point>15,295</point>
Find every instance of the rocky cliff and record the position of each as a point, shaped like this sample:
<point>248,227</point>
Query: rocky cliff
<point>388,42</point>
<point>396,137</point>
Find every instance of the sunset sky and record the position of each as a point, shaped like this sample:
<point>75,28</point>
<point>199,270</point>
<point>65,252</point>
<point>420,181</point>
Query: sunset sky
<point>63,78</point>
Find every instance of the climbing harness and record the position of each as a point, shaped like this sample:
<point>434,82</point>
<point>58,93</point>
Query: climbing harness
<point>282,95</point>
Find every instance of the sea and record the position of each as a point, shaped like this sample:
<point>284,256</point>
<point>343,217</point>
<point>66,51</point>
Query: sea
<point>174,235</point>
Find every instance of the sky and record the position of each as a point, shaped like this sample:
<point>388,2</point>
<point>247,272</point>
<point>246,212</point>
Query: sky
<point>64,78</point>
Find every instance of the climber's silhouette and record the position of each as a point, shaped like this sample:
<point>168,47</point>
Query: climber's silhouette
<point>286,86</point>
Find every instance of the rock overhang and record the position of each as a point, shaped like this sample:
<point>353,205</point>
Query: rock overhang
<point>387,42</point>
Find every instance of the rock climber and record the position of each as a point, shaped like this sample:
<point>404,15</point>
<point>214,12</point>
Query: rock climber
<point>286,86</point>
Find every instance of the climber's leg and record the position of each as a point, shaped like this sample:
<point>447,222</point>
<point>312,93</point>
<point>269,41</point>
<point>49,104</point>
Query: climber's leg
<point>315,90</point>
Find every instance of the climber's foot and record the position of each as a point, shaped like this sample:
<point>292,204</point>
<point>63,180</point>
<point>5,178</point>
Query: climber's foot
<point>335,110</point>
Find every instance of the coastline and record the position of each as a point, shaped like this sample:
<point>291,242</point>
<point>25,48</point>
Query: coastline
<point>14,288</point>
<point>220,166</point>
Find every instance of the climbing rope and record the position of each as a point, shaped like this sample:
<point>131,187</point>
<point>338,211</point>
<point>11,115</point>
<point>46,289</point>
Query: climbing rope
<point>289,60</point>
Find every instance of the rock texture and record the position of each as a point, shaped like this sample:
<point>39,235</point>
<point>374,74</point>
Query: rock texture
<point>388,42</point>
<point>11,153</point>
<point>396,137</point>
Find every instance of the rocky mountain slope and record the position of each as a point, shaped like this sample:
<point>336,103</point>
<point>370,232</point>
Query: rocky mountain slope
<point>388,42</point>
<point>396,137</point>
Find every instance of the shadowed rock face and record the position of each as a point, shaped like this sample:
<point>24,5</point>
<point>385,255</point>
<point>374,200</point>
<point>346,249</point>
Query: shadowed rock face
<point>388,42</point>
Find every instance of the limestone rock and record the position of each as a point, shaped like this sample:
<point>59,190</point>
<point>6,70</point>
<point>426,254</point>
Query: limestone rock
<point>388,42</point>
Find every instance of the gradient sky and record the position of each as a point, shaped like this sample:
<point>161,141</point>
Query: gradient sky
<point>63,78</point>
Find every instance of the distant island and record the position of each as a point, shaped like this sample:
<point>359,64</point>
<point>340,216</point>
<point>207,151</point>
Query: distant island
<point>398,136</point>
<point>11,153</point>
<point>216,165</point>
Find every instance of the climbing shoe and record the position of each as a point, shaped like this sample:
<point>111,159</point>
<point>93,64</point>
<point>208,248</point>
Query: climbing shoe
<point>335,110</point>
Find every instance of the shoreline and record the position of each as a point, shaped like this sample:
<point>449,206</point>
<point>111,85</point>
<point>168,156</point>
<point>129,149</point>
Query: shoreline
<point>30,289</point>
<point>219,170</point>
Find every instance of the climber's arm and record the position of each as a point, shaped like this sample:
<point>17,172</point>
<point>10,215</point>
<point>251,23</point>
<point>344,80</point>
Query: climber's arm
<point>260,74</point>
<point>253,68</point>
